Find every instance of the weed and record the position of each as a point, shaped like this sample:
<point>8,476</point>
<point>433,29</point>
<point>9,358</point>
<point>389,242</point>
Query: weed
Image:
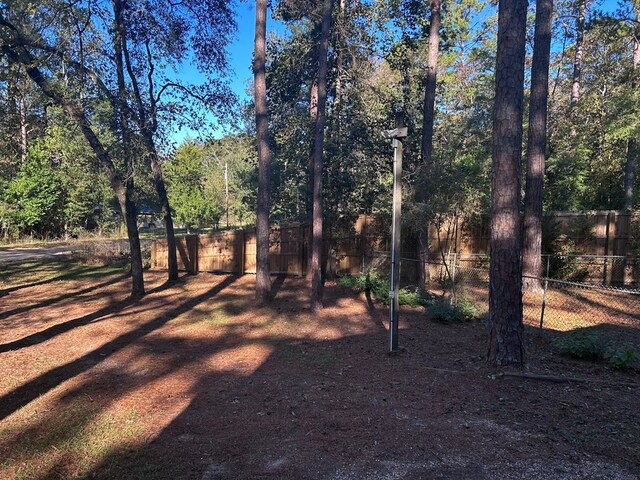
<point>442,311</point>
<point>622,358</point>
<point>581,345</point>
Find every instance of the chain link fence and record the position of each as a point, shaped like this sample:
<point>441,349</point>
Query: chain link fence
<point>557,304</point>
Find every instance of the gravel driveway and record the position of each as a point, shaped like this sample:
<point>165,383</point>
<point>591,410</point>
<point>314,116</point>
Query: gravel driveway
<point>21,254</point>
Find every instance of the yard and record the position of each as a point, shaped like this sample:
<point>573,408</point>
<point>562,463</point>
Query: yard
<point>195,381</point>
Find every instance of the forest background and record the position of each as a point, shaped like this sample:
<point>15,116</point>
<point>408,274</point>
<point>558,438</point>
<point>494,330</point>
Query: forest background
<point>50,184</point>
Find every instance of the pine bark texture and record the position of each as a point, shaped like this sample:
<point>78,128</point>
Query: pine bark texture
<point>313,115</point>
<point>536,147</point>
<point>633,151</point>
<point>506,342</point>
<point>318,159</point>
<point>577,62</point>
<point>428,117</point>
<point>24,146</point>
<point>263,280</point>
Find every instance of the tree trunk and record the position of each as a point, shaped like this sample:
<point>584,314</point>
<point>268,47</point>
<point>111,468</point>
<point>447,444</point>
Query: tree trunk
<point>24,146</point>
<point>536,147</point>
<point>318,159</point>
<point>122,60</point>
<point>428,114</point>
<point>126,204</point>
<point>313,114</point>
<point>506,343</point>
<point>632,144</point>
<point>128,209</point>
<point>263,281</point>
<point>577,61</point>
<point>158,180</point>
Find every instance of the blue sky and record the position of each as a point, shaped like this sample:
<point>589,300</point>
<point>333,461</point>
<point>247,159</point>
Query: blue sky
<point>240,53</point>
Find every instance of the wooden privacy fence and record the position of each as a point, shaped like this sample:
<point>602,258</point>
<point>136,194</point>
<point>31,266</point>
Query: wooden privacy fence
<point>605,233</point>
<point>235,252</point>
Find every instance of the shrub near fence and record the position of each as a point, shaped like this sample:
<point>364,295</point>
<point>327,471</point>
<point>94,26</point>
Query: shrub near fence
<point>560,306</point>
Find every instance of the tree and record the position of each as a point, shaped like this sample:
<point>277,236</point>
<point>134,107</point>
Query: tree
<point>506,342</point>
<point>318,158</point>
<point>35,196</point>
<point>15,47</point>
<point>581,11</point>
<point>194,207</point>
<point>536,147</point>
<point>633,150</point>
<point>428,113</point>
<point>145,41</point>
<point>263,282</point>
<point>148,35</point>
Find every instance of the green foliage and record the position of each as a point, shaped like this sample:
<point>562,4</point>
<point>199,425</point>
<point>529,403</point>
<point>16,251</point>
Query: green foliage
<point>443,311</point>
<point>580,344</point>
<point>591,346</point>
<point>196,182</point>
<point>34,198</point>
<point>193,205</point>
<point>378,288</point>
<point>622,358</point>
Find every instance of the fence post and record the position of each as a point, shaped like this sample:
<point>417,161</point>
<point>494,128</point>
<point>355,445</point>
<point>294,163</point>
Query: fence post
<point>453,273</point>
<point>301,237</point>
<point>242,250</point>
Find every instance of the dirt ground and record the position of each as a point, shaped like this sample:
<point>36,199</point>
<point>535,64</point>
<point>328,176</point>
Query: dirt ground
<point>195,381</point>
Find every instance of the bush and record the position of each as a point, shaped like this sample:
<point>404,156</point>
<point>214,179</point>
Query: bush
<point>581,345</point>
<point>622,358</point>
<point>442,311</point>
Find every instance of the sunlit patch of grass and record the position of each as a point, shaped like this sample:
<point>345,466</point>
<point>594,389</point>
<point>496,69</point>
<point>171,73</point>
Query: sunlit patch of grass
<point>10,381</point>
<point>90,272</point>
<point>206,318</point>
<point>16,274</point>
<point>66,442</point>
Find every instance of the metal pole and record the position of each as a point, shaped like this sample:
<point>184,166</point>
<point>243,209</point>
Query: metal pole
<point>226,192</point>
<point>544,294</point>
<point>397,134</point>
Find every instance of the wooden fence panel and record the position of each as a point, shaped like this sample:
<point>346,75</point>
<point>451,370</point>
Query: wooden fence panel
<point>220,252</point>
<point>186,253</point>
<point>594,233</point>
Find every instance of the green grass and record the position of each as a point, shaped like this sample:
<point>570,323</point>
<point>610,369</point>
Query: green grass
<point>35,272</point>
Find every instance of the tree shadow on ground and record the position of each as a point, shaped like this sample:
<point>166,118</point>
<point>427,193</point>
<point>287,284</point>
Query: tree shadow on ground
<point>341,408</point>
<point>53,300</point>
<point>40,267</point>
<point>27,392</point>
<point>279,393</point>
